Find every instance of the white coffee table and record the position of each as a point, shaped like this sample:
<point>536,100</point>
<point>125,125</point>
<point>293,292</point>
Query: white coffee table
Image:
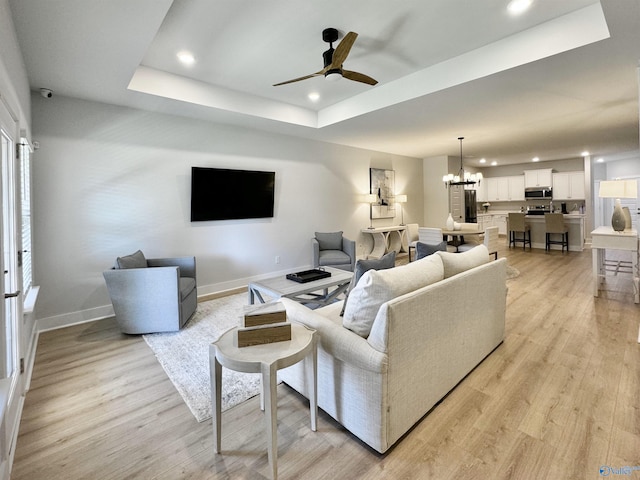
<point>281,286</point>
<point>265,359</point>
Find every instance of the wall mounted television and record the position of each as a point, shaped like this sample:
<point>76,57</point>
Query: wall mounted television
<point>224,194</point>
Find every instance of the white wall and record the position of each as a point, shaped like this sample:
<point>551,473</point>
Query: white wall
<point>436,197</point>
<point>629,167</point>
<point>111,180</point>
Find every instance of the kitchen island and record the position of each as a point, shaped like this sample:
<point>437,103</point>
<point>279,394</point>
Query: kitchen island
<point>574,221</point>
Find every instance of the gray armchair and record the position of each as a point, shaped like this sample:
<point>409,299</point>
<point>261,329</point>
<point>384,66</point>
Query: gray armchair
<point>152,295</point>
<point>333,250</point>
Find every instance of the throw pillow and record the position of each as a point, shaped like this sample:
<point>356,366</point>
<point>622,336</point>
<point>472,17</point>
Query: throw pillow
<point>135,260</point>
<point>426,249</point>
<point>362,266</point>
<point>377,287</point>
<point>455,263</point>
<point>329,241</point>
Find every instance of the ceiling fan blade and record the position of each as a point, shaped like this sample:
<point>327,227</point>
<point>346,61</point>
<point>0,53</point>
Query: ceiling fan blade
<point>358,77</point>
<point>343,49</point>
<point>321,72</point>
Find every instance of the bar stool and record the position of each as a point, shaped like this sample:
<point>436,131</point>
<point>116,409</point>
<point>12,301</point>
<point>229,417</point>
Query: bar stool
<point>554,223</point>
<point>518,225</point>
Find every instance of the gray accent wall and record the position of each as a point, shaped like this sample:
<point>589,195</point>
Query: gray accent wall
<point>110,180</point>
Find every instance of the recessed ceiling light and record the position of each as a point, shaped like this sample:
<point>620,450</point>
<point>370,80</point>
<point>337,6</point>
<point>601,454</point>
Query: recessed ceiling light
<point>483,160</point>
<point>186,57</point>
<point>494,163</point>
<point>585,153</point>
<point>516,7</point>
<point>314,96</point>
<point>535,159</point>
<point>600,160</point>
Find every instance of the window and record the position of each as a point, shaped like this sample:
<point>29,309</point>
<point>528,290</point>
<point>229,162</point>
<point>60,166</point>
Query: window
<point>25,202</point>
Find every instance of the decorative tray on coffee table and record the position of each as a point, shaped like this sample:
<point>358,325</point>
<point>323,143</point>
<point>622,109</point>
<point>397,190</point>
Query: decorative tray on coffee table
<point>308,275</point>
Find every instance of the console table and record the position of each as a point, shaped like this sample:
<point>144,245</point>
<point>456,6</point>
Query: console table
<point>386,239</point>
<point>603,238</point>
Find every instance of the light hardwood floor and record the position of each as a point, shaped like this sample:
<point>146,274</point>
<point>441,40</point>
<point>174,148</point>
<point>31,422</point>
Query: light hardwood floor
<point>557,400</point>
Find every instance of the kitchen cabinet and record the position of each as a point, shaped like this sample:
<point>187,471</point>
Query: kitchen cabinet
<point>516,188</point>
<point>484,221</point>
<point>568,186</point>
<point>504,189</point>
<point>481,192</point>
<point>538,178</point>
<point>500,221</point>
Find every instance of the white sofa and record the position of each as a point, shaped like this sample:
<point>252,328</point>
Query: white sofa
<point>422,343</point>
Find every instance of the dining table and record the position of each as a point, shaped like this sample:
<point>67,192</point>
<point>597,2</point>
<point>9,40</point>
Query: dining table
<point>457,236</point>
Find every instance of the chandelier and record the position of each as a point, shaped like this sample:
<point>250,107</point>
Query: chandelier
<point>462,178</point>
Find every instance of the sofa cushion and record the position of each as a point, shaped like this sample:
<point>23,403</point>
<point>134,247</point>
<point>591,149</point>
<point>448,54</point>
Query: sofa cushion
<point>329,241</point>
<point>376,287</point>
<point>426,249</point>
<point>386,261</point>
<point>455,263</point>
<point>135,260</point>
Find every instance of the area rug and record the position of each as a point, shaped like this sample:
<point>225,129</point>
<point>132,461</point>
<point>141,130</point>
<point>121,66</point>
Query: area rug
<point>184,355</point>
<point>512,272</point>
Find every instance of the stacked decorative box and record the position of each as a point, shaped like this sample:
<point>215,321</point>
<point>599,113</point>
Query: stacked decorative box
<point>265,323</point>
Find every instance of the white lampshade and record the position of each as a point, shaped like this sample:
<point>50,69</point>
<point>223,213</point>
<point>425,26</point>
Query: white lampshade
<point>401,199</point>
<point>370,198</point>
<point>618,189</point>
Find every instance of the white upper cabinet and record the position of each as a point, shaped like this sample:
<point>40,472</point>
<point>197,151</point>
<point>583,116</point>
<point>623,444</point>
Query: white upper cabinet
<point>505,189</point>
<point>481,191</point>
<point>568,186</point>
<point>516,187</point>
<point>538,178</point>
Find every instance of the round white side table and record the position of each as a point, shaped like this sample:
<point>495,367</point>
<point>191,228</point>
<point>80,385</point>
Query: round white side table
<point>266,359</point>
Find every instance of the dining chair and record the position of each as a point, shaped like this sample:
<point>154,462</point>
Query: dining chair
<point>490,240</point>
<point>412,237</point>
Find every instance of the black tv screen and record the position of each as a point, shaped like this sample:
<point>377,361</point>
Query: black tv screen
<point>223,194</point>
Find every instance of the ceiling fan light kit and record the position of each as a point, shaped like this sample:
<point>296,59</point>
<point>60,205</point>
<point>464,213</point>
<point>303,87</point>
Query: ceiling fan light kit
<point>333,60</point>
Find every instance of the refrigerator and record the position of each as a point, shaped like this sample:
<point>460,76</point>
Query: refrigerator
<point>470,207</point>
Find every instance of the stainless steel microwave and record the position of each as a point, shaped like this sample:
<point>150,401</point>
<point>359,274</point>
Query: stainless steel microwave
<point>537,193</point>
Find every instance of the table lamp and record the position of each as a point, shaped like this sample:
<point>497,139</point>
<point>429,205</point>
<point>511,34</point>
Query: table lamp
<point>371,199</point>
<point>401,199</point>
<point>618,189</point>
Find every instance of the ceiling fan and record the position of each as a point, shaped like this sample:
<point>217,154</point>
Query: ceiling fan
<point>334,58</point>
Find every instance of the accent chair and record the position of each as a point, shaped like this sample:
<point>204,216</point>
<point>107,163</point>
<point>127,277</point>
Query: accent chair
<point>152,295</point>
<point>332,249</point>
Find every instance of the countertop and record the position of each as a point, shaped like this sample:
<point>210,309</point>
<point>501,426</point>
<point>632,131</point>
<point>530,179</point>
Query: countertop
<point>505,212</point>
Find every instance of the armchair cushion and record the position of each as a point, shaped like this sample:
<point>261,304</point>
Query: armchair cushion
<point>186,285</point>
<point>329,241</point>
<point>333,257</point>
<point>135,260</point>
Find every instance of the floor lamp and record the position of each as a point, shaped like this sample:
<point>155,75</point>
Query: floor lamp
<point>618,189</point>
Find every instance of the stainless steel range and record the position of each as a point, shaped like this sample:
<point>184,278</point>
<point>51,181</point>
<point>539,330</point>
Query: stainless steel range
<point>538,209</point>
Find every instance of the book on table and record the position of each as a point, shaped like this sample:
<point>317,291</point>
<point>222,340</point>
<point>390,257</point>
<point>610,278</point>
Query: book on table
<point>264,323</point>
<point>263,314</point>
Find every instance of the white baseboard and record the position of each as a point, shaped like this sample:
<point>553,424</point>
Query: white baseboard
<point>106,311</point>
<point>73,318</point>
